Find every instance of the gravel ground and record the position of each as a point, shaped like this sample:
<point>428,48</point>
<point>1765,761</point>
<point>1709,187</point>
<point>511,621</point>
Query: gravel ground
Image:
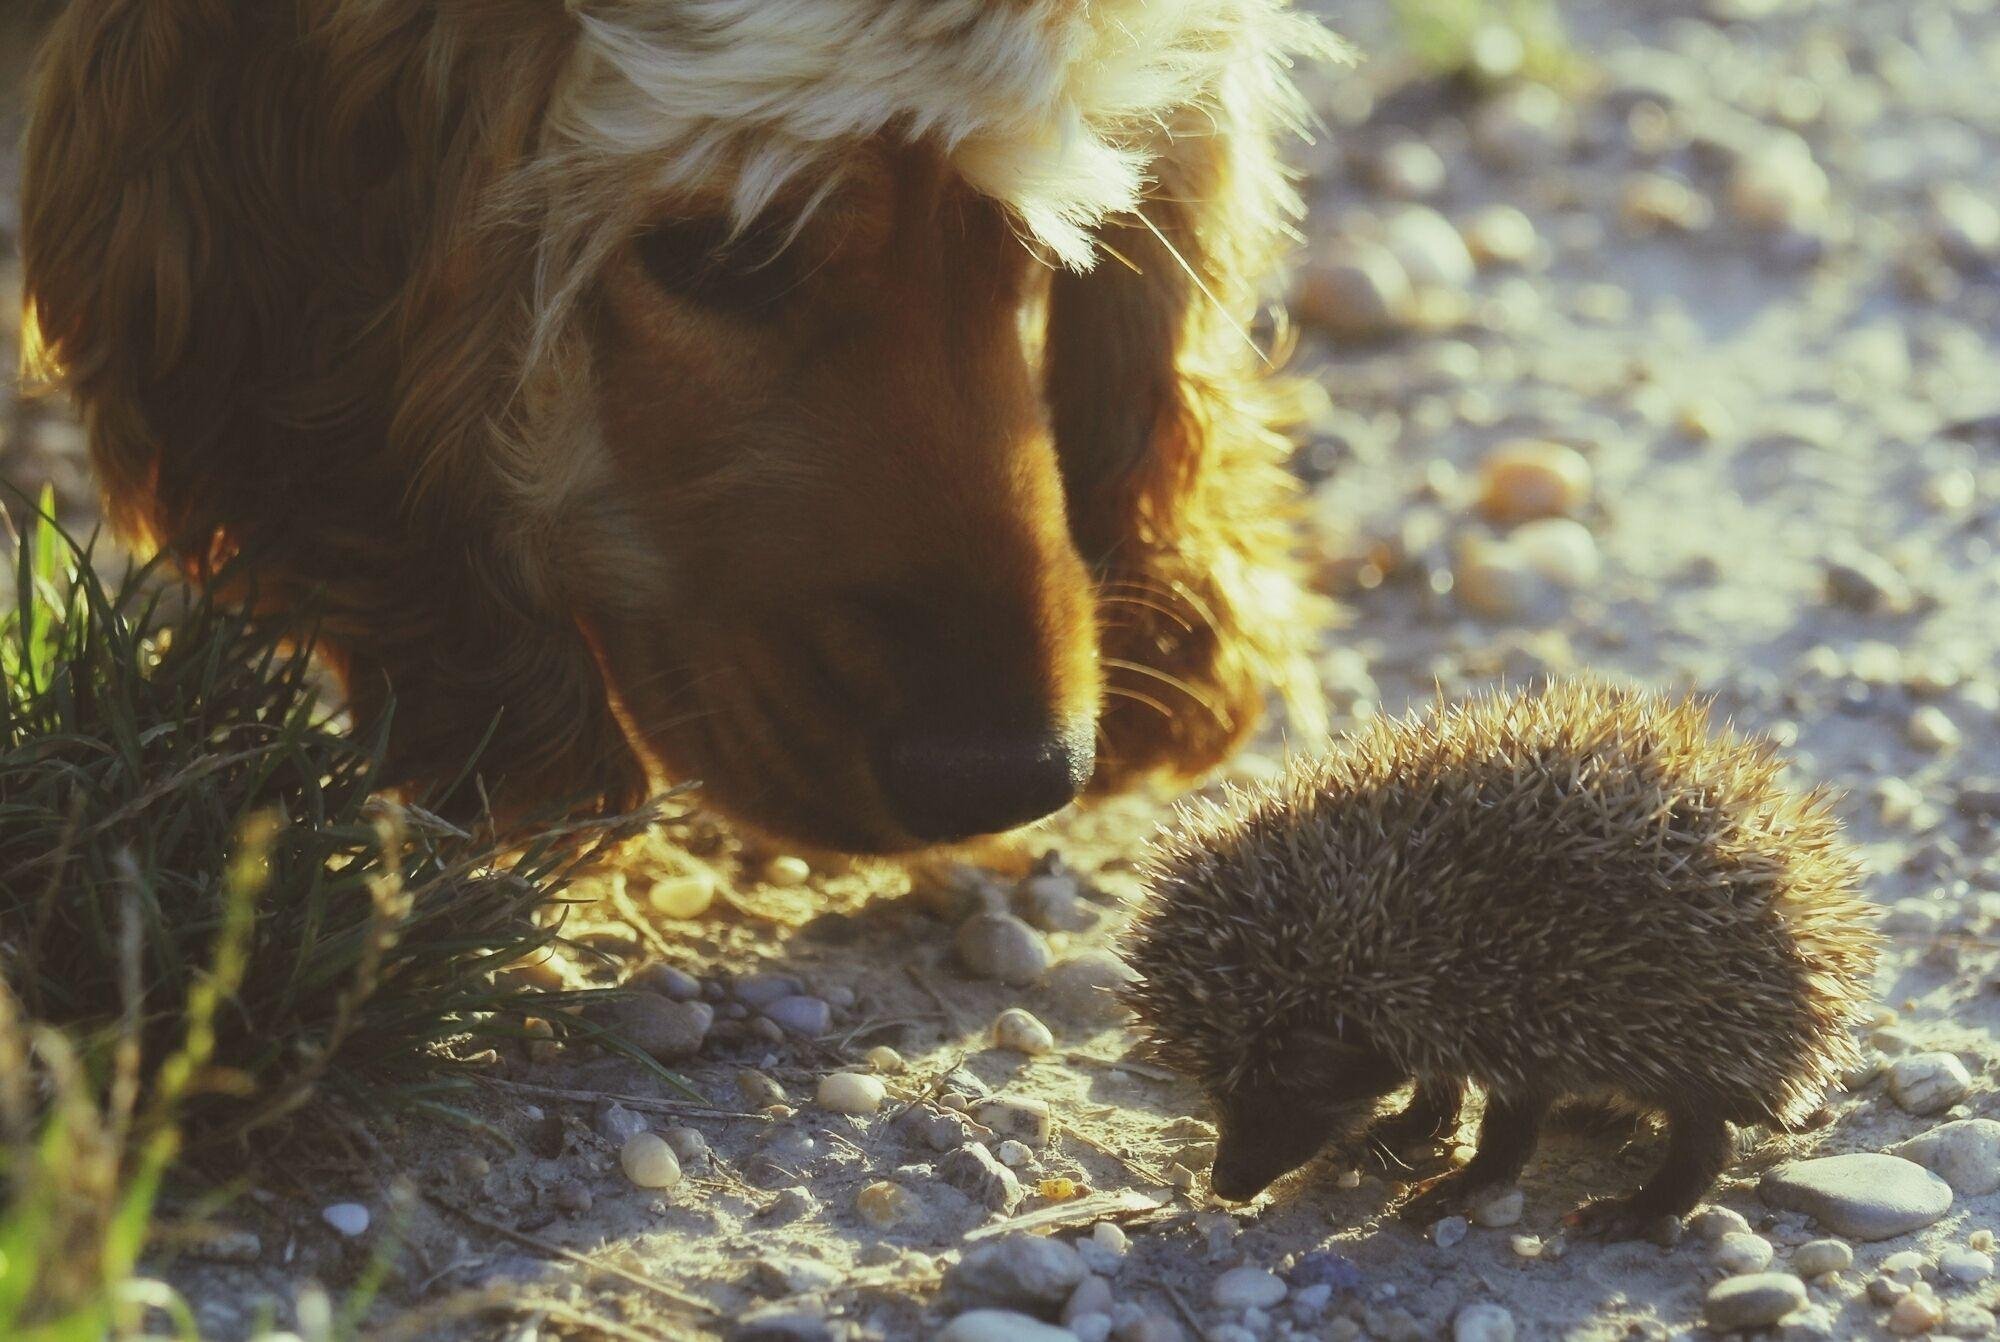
<point>1716,322</point>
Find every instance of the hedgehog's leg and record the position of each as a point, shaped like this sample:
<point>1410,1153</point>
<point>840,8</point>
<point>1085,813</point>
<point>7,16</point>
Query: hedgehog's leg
<point>1507,1135</point>
<point>1398,1143</point>
<point>1697,1151</point>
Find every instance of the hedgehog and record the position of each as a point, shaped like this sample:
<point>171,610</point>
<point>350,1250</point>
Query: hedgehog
<point>1576,893</point>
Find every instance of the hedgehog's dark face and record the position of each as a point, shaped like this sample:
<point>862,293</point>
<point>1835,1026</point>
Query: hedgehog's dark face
<point>1320,1092</point>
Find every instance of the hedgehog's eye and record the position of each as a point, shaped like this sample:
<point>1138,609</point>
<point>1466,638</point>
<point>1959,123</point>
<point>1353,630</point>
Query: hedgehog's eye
<point>747,272</point>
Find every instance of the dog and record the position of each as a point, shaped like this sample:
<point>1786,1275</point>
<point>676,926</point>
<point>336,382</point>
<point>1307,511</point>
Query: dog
<point>849,404</point>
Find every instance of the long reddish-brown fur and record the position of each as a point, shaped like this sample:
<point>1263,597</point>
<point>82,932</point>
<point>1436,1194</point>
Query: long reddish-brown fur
<point>693,428</point>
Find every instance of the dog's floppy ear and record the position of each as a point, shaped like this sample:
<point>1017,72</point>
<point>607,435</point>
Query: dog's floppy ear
<point>252,254</point>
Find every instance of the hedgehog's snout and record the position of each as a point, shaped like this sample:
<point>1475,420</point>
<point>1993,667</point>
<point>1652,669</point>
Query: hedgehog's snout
<point>1260,1140</point>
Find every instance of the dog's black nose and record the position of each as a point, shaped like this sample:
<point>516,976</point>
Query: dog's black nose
<point>944,786</point>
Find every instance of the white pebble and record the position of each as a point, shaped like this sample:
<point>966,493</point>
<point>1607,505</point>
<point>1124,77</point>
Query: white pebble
<point>1450,1231</point>
<point>1247,1288</point>
<point>1501,235</point>
<point>1713,1223</point>
<point>1931,728</point>
<point>349,1218</point>
<point>1965,1266</point>
<point>1357,289</point>
<point>648,1161</point>
<point>1001,946</point>
<point>1740,1254</point>
<point>1020,1031</point>
<point>687,895</point>
<point>1525,1246</point>
<point>1431,250</point>
<point>886,1060</point>
<point>855,1093</point>
<point>1501,1210</point>
<point>1111,1238</point>
<point>1483,1322</point>
<point>1560,549</point>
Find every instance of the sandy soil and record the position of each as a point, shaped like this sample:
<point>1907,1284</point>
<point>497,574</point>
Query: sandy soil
<point>1780,387</point>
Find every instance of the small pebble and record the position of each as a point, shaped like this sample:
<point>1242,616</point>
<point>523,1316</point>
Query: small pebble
<point>1450,1231</point>
<point>1110,1238</point>
<point>649,1162</point>
<point>1742,1303</point>
<point>806,1017</point>
<point>886,1060</point>
<point>975,1172</point>
<point>1001,946</point>
<point>1525,1246</point>
<point>687,895</point>
<point>1741,1254</point>
<point>1091,1296</point>
<point>1028,1120</point>
<point>1501,235</point>
<point>1713,1223</point>
<point>659,1027</point>
<point>1964,1318</point>
<point>1818,1257</point>
<point>1409,169</point>
<point>1090,1327</point>
<point>1013,1154</point>
<point>1020,1031</point>
<point>1431,250</point>
<point>1560,549</point>
<point>787,872</point>
<point>349,1218</point>
<point>854,1093</point>
<point>667,981</point>
<point>1247,1288</point>
<point>1523,479</point>
<point>1525,126</point>
<point>1356,289</point>
<point>1501,1210</point>
<point>1928,1083</point>
<point>1965,1266</point>
<point>1082,987</point>
<point>616,1124</point>
<point>1931,728</point>
<point>758,1090</point>
<point>1916,1313</point>
<point>760,990</point>
<point>999,1325</point>
<point>1867,583</point>
<point>1483,1322</point>
<point>1778,186</point>
<point>883,1204</point>
<point>1052,902</point>
<point>690,1148</point>
<point>1017,1269</point>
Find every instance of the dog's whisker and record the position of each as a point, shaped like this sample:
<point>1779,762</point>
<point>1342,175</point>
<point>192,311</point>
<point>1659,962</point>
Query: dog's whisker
<point>1168,678</point>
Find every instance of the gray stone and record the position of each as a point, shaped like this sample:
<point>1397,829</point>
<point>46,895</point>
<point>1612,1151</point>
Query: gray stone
<point>785,1274</point>
<point>1966,1153</point>
<point>1247,1287</point>
<point>1821,1256</point>
<point>1024,1270</point>
<point>760,990</point>
<point>659,1027</point>
<point>1082,988</point>
<point>973,1171</point>
<point>1862,1196</point>
<point>1483,1322</point>
<point>667,981</point>
<point>1001,946</point>
<point>782,1325</point>
<point>1023,1119</point>
<point>1928,1083</point>
<point>809,1017</point>
<point>617,1124</point>
<point>1742,1303</point>
<point>1001,1325</point>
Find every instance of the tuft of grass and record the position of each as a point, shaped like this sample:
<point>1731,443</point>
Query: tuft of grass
<point>144,729</point>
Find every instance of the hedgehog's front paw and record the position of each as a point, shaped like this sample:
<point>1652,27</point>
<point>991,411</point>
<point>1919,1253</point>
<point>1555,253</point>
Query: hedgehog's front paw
<point>1445,1195</point>
<point>1619,1219</point>
<point>1406,1158</point>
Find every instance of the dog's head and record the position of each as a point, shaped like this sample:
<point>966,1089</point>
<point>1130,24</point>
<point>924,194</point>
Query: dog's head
<point>655,374</point>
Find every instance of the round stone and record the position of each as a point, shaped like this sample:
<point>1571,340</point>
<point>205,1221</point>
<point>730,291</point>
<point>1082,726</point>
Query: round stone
<point>886,1060</point>
<point>648,1161</point>
<point>1501,235</point>
<point>884,1204</point>
<point>1559,549</point>
<point>349,1218</point>
<point>1431,251</point>
<point>1966,1153</point>
<point>760,990</point>
<point>855,1093</point>
<point>807,1017</point>
<point>1863,1195</point>
<point>1410,169</point>
<point>1450,1232</point>
<point>1525,478</point>
<point>1491,578</point>
<point>1741,1254</point>
<point>1483,1322</point>
<point>1742,1303</point>
<point>1020,1031</point>
<point>787,872</point>
<point>1001,946</point>
<point>1778,185</point>
<point>1247,1288</point>
<point>1018,1269</point>
<point>686,895</point>
<point>1713,1223</point>
<point>1915,1314</point>
<point>1965,1266</point>
<point>1357,289</point>
<point>667,981</point>
<point>659,1027</point>
<point>1928,1083</point>
<point>1000,1325</point>
<point>1501,1210</point>
<point>1524,126</point>
<point>1931,728</point>
<point>1821,1256</point>
<point>1083,987</point>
